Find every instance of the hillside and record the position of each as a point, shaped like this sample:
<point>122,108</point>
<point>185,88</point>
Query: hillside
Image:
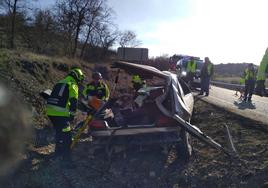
<point>230,69</point>
<point>31,73</point>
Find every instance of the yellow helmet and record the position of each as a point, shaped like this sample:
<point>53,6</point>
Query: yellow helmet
<point>77,74</point>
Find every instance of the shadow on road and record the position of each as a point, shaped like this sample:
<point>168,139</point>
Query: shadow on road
<point>244,105</point>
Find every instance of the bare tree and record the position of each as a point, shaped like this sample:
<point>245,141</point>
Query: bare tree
<point>107,37</point>
<point>97,15</point>
<point>65,15</point>
<point>78,15</point>
<point>44,30</point>
<point>81,7</point>
<point>129,39</point>
<point>12,8</point>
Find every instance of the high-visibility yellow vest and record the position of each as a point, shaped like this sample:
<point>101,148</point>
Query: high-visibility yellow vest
<point>191,66</point>
<point>58,104</point>
<point>210,66</point>
<point>263,67</point>
<point>249,74</point>
<point>101,90</point>
<point>136,79</point>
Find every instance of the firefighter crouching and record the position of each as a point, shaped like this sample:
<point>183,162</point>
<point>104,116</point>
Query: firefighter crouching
<point>61,108</point>
<point>137,82</point>
<point>97,88</point>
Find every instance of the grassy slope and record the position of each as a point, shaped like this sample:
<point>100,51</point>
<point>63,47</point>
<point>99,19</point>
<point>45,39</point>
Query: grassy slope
<point>28,74</point>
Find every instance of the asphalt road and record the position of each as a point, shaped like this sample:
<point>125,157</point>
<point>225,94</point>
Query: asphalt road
<point>225,98</point>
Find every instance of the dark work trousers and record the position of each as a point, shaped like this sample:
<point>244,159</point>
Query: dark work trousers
<point>190,78</point>
<point>249,89</point>
<point>63,139</point>
<point>205,81</point>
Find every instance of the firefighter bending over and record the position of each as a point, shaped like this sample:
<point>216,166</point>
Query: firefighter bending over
<point>61,108</point>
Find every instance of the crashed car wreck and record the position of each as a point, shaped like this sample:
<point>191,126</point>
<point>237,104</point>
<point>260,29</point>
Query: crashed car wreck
<point>164,113</point>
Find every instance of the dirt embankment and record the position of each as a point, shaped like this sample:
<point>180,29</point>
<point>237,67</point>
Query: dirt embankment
<point>152,166</point>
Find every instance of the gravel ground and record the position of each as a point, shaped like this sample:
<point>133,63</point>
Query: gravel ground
<point>146,167</point>
<point>153,166</point>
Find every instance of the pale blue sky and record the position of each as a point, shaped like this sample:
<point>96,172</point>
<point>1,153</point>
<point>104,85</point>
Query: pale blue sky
<point>224,30</point>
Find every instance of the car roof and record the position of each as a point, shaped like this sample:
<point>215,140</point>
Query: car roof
<point>142,70</point>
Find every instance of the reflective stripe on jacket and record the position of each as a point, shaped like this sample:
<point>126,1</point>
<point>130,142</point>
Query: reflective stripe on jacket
<point>63,99</point>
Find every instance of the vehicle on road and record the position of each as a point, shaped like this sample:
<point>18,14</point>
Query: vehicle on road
<point>181,67</point>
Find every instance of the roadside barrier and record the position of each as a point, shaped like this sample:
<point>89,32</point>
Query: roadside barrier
<point>229,86</point>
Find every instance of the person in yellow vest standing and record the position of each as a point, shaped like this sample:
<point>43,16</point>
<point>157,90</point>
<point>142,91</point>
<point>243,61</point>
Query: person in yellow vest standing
<point>250,78</point>
<point>206,74</point>
<point>262,70</point>
<point>190,69</point>
<point>61,107</point>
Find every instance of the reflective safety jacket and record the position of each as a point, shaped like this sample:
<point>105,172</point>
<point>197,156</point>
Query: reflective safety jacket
<point>207,70</point>
<point>191,66</point>
<point>249,74</point>
<point>263,67</point>
<point>210,69</point>
<point>63,99</point>
<point>136,79</point>
<point>101,90</point>
<point>138,82</point>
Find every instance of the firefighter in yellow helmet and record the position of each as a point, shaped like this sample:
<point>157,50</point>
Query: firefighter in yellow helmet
<point>137,82</point>
<point>61,108</point>
<point>97,88</point>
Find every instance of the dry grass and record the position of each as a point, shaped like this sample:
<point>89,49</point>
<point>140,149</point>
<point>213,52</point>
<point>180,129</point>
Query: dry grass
<point>231,80</point>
